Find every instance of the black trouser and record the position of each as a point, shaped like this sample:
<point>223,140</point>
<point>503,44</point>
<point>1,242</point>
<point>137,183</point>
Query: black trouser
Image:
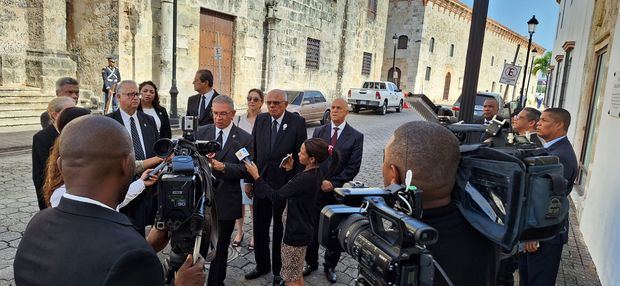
<point>264,211</point>
<point>540,268</point>
<point>505,273</point>
<point>312,252</point>
<point>217,271</point>
<point>41,199</point>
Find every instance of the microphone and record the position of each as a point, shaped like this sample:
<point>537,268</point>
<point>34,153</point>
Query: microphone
<point>157,169</point>
<point>243,155</point>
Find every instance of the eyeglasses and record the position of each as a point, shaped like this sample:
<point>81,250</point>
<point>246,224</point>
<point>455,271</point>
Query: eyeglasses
<point>219,114</point>
<point>273,102</point>
<point>133,95</point>
<point>254,99</point>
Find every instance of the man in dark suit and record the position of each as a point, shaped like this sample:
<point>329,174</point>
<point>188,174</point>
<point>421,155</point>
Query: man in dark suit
<point>143,131</point>
<point>200,104</point>
<point>85,240</point>
<point>228,169</point>
<point>490,108</point>
<point>65,86</point>
<point>276,134</point>
<point>43,141</point>
<point>350,145</point>
<point>540,264</point>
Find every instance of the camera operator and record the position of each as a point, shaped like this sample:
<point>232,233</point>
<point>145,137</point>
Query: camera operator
<point>85,241</point>
<point>229,170</point>
<point>431,152</point>
<point>540,264</point>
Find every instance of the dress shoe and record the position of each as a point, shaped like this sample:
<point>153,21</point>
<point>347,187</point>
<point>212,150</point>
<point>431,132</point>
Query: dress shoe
<point>278,281</point>
<point>255,273</point>
<point>309,268</point>
<point>330,275</point>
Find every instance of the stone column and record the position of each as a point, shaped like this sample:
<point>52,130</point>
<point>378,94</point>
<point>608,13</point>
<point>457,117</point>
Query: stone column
<point>55,25</point>
<point>165,30</point>
<point>13,43</point>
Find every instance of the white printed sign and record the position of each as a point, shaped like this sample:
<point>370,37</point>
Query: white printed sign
<point>510,74</point>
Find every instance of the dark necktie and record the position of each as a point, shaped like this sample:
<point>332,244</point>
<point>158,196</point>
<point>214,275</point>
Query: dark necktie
<point>335,137</point>
<point>220,138</point>
<point>274,134</point>
<point>202,107</point>
<point>137,146</point>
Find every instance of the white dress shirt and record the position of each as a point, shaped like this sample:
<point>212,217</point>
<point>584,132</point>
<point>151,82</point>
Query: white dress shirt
<point>86,200</point>
<point>548,144</point>
<point>207,98</point>
<point>340,128</point>
<point>127,124</point>
<point>153,113</point>
<point>279,119</point>
<point>136,188</point>
<point>225,133</point>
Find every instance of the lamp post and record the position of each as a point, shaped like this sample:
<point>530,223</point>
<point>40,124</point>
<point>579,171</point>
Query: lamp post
<point>394,74</point>
<point>527,88</point>
<point>531,28</point>
<point>174,117</point>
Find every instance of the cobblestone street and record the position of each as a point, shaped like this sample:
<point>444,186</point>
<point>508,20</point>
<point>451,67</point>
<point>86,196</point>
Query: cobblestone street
<point>18,205</point>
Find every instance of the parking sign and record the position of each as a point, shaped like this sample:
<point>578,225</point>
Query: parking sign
<point>510,74</point>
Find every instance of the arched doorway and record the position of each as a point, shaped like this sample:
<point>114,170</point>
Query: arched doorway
<point>446,87</point>
<point>391,78</point>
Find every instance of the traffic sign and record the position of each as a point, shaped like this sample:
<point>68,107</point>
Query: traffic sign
<point>510,74</point>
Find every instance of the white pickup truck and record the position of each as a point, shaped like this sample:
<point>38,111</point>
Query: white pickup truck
<point>376,95</point>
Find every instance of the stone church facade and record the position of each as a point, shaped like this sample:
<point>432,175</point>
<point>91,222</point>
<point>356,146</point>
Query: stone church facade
<point>432,47</point>
<point>292,44</point>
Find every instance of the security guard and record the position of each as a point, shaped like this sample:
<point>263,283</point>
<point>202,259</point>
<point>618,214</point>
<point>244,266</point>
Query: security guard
<point>111,76</point>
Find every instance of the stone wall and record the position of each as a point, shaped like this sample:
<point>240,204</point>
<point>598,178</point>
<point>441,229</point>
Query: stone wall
<point>448,23</point>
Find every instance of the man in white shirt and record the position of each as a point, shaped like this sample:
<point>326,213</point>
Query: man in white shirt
<point>143,133</point>
<point>199,105</point>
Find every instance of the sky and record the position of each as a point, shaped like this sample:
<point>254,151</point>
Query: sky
<point>514,14</point>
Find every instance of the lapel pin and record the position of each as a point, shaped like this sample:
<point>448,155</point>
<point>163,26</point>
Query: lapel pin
<point>284,127</point>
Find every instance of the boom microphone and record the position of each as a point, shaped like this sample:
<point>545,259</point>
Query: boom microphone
<point>243,155</point>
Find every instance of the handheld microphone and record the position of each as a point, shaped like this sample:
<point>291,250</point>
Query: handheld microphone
<point>243,155</point>
<point>157,169</point>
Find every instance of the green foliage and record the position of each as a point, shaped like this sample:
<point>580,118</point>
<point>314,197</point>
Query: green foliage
<point>542,64</point>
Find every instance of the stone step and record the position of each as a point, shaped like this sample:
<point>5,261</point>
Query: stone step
<point>20,107</point>
<point>20,121</point>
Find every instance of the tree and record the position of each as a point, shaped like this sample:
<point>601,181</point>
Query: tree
<point>542,64</point>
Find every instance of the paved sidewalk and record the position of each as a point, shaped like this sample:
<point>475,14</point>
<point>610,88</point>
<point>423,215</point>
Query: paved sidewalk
<point>18,204</point>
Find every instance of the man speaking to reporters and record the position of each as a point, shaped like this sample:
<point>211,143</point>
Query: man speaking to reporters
<point>431,152</point>
<point>85,241</point>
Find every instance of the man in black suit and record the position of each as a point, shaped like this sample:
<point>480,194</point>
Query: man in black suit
<point>200,104</point>
<point>65,86</point>
<point>540,264</point>
<point>490,108</point>
<point>85,240</point>
<point>276,134</point>
<point>350,145</point>
<point>43,141</point>
<point>228,169</point>
<point>143,131</point>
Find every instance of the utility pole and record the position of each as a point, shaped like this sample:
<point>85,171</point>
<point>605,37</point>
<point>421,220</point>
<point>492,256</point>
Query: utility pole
<point>472,61</point>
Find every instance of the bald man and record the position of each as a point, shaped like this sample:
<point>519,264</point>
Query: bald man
<point>349,144</point>
<point>43,141</point>
<point>85,241</point>
<point>276,134</point>
<point>467,256</point>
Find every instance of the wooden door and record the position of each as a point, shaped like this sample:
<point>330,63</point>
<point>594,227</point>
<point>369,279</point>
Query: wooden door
<point>216,48</point>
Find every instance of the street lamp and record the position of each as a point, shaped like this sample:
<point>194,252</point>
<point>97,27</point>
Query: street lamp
<point>174,117</point>
<point>527,88</point>
<point>394,74</point>
<point>531,28</point>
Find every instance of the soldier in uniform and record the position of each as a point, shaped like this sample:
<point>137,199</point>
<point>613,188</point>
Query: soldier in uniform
<point>111,76</point>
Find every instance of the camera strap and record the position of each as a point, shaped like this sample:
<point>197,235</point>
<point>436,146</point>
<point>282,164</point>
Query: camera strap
<point>443,273</point>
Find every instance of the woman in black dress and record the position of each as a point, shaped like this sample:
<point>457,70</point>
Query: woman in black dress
<point>300,194</point>
<point>149,104</point>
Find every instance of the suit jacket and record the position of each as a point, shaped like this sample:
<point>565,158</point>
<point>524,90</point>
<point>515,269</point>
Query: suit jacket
<point>79,243</point>
<point>228,192</point>
<point>564,150</point>
<point>193,103</point>
<point>350,146</point>
<point>291,134</point>
<point>42,141</point>
<point>164,131</point>
<point>147,126</point>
